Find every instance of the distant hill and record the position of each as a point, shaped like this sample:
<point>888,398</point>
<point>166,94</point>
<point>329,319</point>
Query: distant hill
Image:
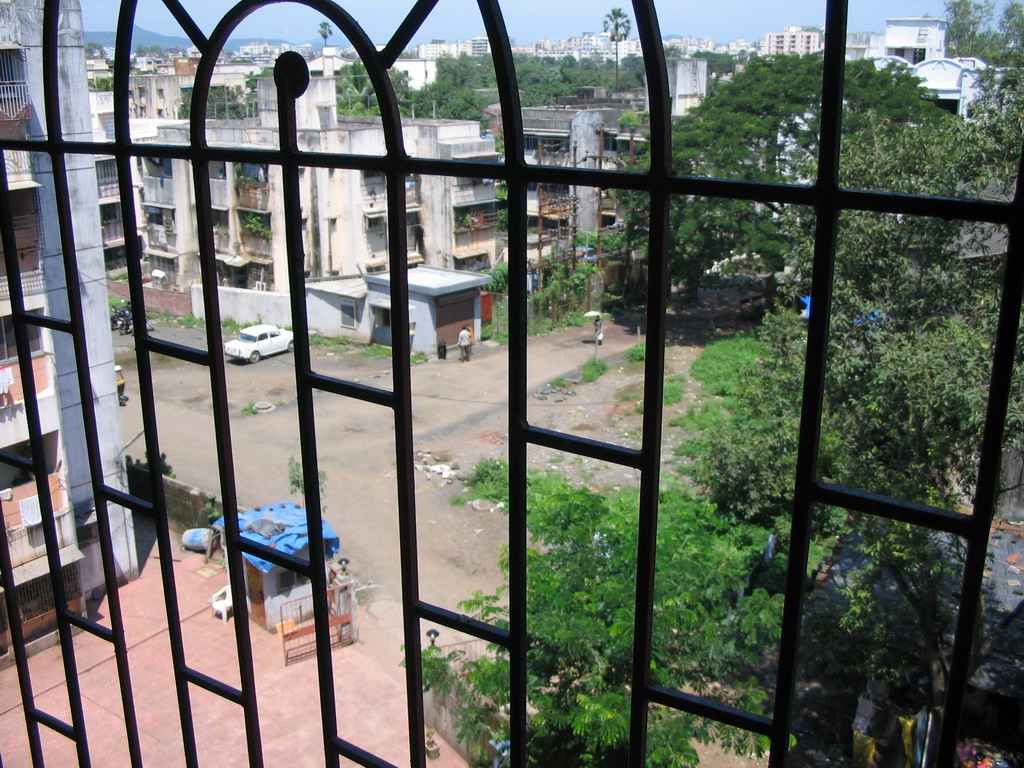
<point>146,39</point>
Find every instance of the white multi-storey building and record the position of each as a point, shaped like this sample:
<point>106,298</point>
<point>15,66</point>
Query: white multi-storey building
<point>41,273</point>
<point>915,39</point>
<point>798,40</point>
<point>450,222</point>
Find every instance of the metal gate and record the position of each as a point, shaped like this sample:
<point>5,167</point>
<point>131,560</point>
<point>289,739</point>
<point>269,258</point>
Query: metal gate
<point>297,625</point>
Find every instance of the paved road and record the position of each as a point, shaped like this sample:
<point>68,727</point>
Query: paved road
<point>459,411</point>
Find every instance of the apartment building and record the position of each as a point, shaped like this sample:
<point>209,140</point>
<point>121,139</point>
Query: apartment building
<point>915,39</point>
<point>570,136</point>
<point>798,40</point>
<point>48,370</point>
<point>450,222</point>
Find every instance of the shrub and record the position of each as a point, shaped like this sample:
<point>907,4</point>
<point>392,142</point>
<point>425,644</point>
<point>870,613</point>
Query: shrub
<point>489,480</point>
<point>594,369</point>
<point>636,354</point>
<point>558,381</point>
<point>672,392</point>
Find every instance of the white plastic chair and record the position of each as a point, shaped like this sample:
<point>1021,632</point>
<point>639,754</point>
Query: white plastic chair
<point>221,603</point>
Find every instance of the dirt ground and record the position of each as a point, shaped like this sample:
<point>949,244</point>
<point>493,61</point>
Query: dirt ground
<point>460,416</point>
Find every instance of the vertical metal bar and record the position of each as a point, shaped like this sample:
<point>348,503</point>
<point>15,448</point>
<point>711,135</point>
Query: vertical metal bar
<point>654,376</point>
<point>9,240</point>
<point>292,77</point>
<point>122,140</point>
<point>518,392</point>
<point>987,489</point>
<point>826,227</point>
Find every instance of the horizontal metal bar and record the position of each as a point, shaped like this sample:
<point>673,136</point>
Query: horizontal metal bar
<point>351,752</point>
<point>177,351</point>
<point>893,509</point>
<point>84,624</point>
<point>462,623</point>
<point>46,321</point>
<point>713,710</point>
<point>21,462</point>
<point>275,556</point>
<point>351,389</point>
<point>53,723</point>
<point>966,209</point>
<point>115,496</point>
<point>214,686</point>
<point>582,446</point>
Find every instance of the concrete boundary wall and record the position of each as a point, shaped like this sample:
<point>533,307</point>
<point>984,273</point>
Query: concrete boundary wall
<point>247,307</point>
<point>157,300</point>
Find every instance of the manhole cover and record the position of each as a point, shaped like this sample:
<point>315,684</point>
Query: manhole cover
<point>263,405</point>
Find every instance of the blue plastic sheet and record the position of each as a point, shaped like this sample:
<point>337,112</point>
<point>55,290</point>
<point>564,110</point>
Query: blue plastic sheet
<point>280,526</point>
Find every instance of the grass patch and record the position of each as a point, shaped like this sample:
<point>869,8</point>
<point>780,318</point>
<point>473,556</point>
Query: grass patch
<point>488,480</point>
<point>672,392</point>
<point>558,381</point>
<point>231,326</point>
<point>594,369</point>
<point>378,351</point>
<point>190,321</point>
<point>418,357</point>
<point>699,418</point>
<point>724,364</point>
<point>316,340</point>
<point>250,410</point>
<point>636,354</point>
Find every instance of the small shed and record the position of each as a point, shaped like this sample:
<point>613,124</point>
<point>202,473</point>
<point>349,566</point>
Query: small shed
<point>281,526</point>
<point>441,301</point>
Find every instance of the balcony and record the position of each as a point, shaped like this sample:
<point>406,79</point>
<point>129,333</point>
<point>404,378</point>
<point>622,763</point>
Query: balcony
<point>476,220</point>
<point>108,189</point>
<point>219,193</point>
<point>28,239</point>
<point>32,283</point>
<point>13,421</point>
<point>15,109</point>
<point>157,237</point>
<point>254,198</point>
<point>113,232</point>
<point>470,194</point>
<point>19,167</point>
<point>252,245</point>
<point>158,190</point>
<point>221,240</point>
<point>26,541</point>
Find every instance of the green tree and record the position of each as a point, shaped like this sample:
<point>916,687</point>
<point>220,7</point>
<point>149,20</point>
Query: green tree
<point>969,27</point>
<point>580,616</point>
<point>325,31</point>
<point>93,51</point>
<point>617,25</point>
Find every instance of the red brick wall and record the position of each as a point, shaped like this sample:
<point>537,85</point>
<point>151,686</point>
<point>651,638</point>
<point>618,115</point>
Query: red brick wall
<point>160,302</point>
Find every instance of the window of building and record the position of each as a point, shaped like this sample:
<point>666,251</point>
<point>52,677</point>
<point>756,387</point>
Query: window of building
<point>9,348</point>
<point>382,317</point>
<point>349,313</point>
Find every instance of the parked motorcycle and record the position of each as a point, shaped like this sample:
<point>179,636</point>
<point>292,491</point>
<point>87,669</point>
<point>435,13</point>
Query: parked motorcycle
<point>118,316</point>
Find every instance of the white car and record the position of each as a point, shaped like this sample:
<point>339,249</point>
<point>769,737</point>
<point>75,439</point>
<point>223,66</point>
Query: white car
<point>258,341</point>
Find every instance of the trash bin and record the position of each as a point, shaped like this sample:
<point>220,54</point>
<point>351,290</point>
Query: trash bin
<point>442,351</point>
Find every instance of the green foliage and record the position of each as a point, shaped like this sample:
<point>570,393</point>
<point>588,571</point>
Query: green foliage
<point>559,381</point>
<point>637,353</point>
<point>165,468</point>
<point>223,103</point>
<point>378,351</point>
<point>724,364</point>
<point>672,391</point>
<point>488,480</point>
<point>255,224</point>
<point>499,278</point>
<point>580,612</point>
<point>190,321</point>
<point>249,409</point>
<point>316,340</point>
<point>593,369</point>
<point>296,481</point>
<point>709,415</point>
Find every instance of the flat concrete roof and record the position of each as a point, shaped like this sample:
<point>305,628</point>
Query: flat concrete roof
<point>434,281</point>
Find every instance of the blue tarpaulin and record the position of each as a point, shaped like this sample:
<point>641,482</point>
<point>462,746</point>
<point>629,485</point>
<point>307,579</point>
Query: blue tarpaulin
<point>280,526</point>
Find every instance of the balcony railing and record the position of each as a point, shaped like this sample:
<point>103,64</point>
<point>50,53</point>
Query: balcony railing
<point>32,284</point>
<point>251,245</point>
<point>477,220</point>
<point>28,238</point>
<point>219,193</point>
<point>157,236</point>
<point>15,101</point>
<point>221,240</point>
<point>113,231</point>
<point>19,165</point>
<point>158,189</point>
<point>254,198</point>
<point>107,188</point>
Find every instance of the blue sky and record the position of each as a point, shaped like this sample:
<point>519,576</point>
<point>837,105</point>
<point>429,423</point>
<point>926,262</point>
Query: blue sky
<point>527,20</point>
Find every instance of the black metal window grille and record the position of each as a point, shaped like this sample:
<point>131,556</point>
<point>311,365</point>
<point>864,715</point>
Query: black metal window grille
<point>825,196</point>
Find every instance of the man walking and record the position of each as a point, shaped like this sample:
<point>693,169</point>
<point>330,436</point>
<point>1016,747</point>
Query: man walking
<point>465,344</point>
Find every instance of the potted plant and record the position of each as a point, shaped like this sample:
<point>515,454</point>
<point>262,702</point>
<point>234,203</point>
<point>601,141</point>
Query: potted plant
<point>433,748</point>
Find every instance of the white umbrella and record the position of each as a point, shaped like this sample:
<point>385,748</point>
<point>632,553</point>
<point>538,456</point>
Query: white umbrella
<point>592,313</point>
